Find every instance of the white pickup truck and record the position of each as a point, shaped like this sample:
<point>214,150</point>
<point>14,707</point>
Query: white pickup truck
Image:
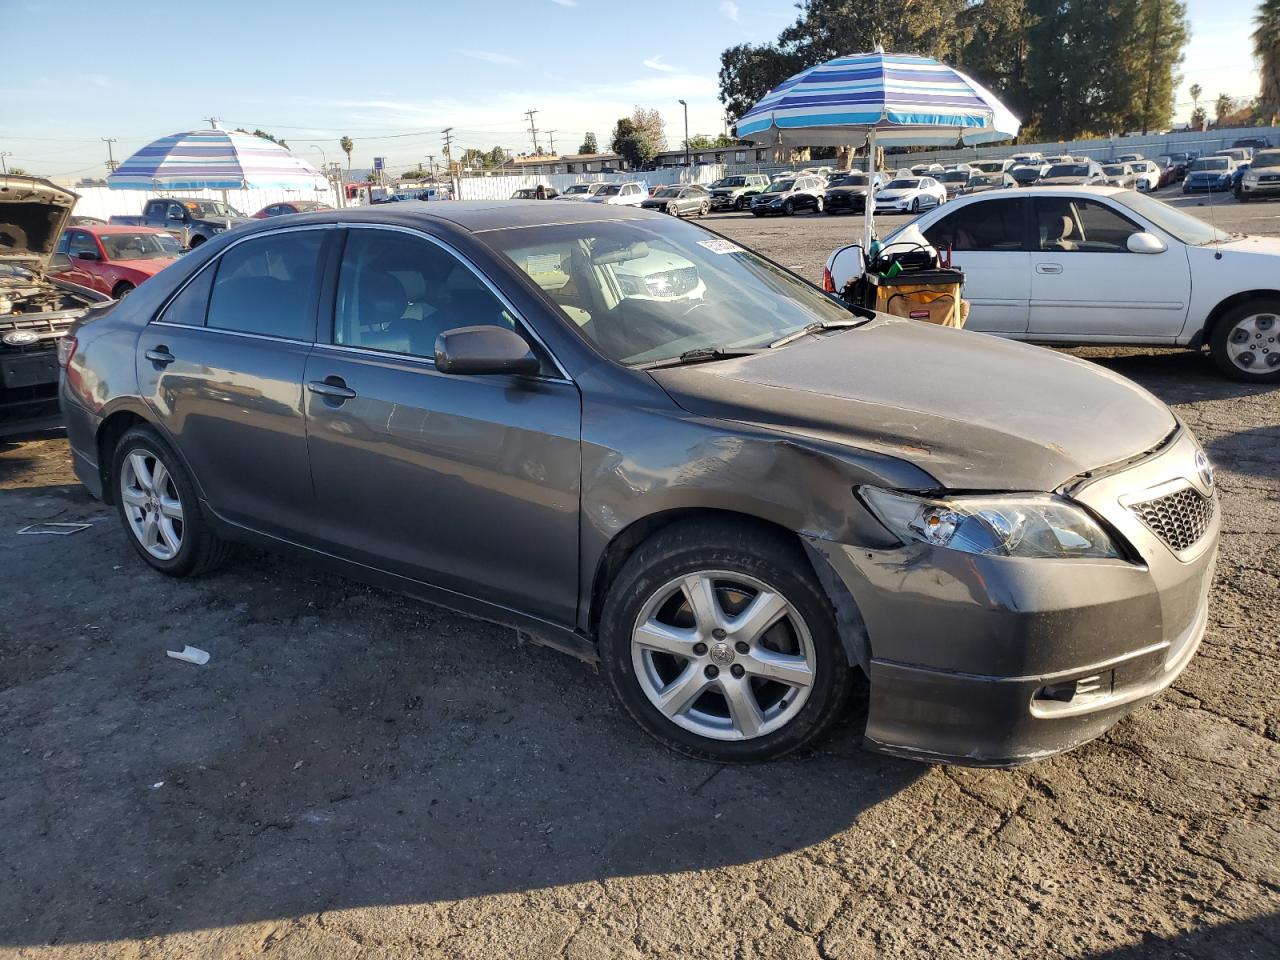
<point>1100,265</point>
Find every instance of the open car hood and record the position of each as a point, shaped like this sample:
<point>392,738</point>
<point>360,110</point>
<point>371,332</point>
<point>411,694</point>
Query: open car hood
<point>33,213</point>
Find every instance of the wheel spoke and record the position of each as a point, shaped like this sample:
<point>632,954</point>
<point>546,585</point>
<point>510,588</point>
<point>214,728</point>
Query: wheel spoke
<point>700,591</point>
<point>784,668</point>
<point>133,497</point>
<point>763,612</point>
<point>743,709</point>
<point>168,534</point>
<point>665,638</point>
<point>138,462</point>
<point>150,530</point>
<point>678,696</point>
<point>159,478</point>
<point>171,507</point>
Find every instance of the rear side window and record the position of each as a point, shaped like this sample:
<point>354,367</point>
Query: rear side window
<point>188,308</point>
<point>987,225</point>
<point>266,286</point>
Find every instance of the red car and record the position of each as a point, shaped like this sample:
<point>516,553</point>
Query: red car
<point>290,206</point>
<point>113,260</point>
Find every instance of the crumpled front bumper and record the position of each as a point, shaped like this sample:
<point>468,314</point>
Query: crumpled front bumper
<point>994,661</point>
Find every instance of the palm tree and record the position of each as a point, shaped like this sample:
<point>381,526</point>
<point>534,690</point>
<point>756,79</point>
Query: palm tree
<point>347,146</point>
<point>1222,109</point>
<point>1266,48</point>
<point>1195,92</point>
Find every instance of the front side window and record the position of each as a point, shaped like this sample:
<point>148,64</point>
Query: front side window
<point>1074,224</point>
<point>81,243</point>
<point>645,292</point>
<point>993,225</point>
<point>140,246</point>
<point>266,285</point>
<point>397,293</point>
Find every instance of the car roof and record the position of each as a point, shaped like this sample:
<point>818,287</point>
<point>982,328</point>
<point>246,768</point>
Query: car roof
<point>102,229</point>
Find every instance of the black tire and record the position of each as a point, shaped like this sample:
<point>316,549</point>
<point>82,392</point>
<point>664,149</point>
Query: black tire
<point>672,210</point>
<point>771,558</point>
<point>1219,341</point>
<point>195,242</point>
<point>201,549</point>
<point>788,207</point>
<point>704,209</point>
<point>122,289</point>
<point>915,205</point>
<point>740,204</point>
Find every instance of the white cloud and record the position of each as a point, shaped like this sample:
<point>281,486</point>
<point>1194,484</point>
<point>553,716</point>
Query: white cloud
<point>728,8</point>
<point>488,56</point>
<point>566,3</point>
<point>655,63</point>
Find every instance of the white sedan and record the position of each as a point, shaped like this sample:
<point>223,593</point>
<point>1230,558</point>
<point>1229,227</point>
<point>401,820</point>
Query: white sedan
<point>1075,265</point>
<point>620,195</point>
<point>910,195</point>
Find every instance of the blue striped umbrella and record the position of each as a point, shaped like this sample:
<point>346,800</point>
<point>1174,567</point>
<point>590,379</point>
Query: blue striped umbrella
<point>215,160</point>
<point>878,99</point>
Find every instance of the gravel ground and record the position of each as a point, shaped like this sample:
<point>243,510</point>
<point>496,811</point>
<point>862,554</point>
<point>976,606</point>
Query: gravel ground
<point>356,775</point>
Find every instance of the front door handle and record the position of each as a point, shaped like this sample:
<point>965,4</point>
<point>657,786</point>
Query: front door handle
<point>160,356</point>
<point>1048,268</point>
<point>331,388</point>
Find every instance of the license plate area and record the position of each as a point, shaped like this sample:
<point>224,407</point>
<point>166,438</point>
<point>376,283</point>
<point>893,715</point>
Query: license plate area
<point>29,370</point>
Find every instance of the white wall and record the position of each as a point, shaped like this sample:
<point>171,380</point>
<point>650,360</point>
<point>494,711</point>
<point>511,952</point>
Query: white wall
<point>501,188</point>
<point>104,202</point>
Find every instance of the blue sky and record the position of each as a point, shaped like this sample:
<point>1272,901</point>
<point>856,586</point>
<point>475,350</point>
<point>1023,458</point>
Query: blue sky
<point>393,77</point>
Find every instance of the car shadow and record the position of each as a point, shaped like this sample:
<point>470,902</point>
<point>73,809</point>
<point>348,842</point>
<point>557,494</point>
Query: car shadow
<point>1258,937</point>
<point>343,747</point>
<point>1174,375</point>
<point>1255,452</point>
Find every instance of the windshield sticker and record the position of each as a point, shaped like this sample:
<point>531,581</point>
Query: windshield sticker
<point>542,263</point>
<point>720,246</point>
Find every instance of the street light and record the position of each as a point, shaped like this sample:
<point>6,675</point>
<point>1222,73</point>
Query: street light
<point>686,134</point>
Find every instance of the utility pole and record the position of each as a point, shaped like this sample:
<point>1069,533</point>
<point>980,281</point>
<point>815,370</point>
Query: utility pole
<point>448,159</point>
<point>533,131</point>
<point>431,165</point>
<point>4,167</point>
<point>111,160</point>
<point>551,135</point>
<point>686,135</point>
<point>213,121</point>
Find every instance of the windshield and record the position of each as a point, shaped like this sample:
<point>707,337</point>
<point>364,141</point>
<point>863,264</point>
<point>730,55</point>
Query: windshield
<point>578,188</point>
<point>1173,221</point>
<point>610,191</point>
<point>139,246</point>
<point>645,291</point>
<point>853,180</point>
<point>731,182</point>
<point>1069,170</point>
<point>780,186</point>
<point>955,176</point>
<point>903,185</point>
<point>1210,163</point>
<point>1111,170</point>
<point>1268,158</point>
<point>989,166</point>
<point>1025,173</point>
<point>206,209</point>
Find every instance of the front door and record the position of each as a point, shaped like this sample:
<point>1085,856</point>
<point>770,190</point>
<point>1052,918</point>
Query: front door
<point>987,243</point>
<point>223,367</point>
<point>1085,284</point>
<point>470,483</point>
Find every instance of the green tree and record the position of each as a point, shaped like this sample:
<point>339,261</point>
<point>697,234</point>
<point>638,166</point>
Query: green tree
<point>1198,118</point>
<point>497,157</point>
<point>639,138</point>
<point>1223,108</point>
<point>265,136</point>
<point>476,159</point>
<point>347,146</point>
<point>589,144</point>
<point>1151,57</point>
<point>1266,49</point>
<point>748,72</point>
<point>996,52</point>
<point>700,141</point>
<point>18,172</point>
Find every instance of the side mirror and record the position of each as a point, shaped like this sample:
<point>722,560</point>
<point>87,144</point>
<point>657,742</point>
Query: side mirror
<point>847,264</point>
<point>1145,243</point>
<point>87,255</point>
<point>484,349</point>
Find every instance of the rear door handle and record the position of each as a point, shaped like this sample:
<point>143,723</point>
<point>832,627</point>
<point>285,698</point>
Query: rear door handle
<point>160,355</point>
<point>1048,268</point>
<point>331,388</point>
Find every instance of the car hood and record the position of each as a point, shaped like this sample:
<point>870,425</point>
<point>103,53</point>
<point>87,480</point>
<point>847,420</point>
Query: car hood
<point>990,414</point>
<point>147,268</point>
<point>227,222</point>
<point>852,191</point>
<point>889,196</point>
<point>33,213</point>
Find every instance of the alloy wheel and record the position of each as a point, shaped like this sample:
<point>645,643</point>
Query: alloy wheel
<point>1252,345</point>
<point>152,504</point>
<point>723,655</point>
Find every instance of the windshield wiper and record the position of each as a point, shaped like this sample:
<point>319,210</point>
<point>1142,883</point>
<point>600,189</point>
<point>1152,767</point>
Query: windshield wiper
<point>817,327</point>
<point>700,355</point>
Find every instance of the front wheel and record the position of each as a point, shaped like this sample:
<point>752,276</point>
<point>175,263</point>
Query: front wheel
<point>740,204</point>
<point>673,210</point>
<point>122,289</point>
<point>1245,343</point>
<point>160,509</point>
<point>789,208</point>
<point>704,209</point>
<point>915,205</point>
<point>719,643</point>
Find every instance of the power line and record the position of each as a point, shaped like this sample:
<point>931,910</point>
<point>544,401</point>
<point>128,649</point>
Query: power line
<point>533,131</point>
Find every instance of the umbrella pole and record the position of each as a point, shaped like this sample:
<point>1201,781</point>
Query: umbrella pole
<point>869,206</point>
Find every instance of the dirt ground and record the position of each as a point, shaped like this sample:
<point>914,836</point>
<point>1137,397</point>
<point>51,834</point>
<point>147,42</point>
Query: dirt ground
<point>357,775</point>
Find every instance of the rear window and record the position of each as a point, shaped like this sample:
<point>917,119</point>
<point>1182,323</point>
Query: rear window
<point>1069,170</point>
<point>1210,163</point>
<point>264,286</point>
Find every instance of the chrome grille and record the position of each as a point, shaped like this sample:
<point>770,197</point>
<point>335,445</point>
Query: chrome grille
<point>1179,518</point>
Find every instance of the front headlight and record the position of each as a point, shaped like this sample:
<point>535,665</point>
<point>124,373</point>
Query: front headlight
<point>1251,178</point>
<point>1002,525</point>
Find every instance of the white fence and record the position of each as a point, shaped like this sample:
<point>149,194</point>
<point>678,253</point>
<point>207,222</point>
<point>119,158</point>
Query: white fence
<point>501,188</point>
<point>104,202</point>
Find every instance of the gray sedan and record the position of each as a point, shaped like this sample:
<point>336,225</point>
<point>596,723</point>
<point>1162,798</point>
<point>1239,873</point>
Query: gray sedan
<point>680,201</point>
<point>648,446</point>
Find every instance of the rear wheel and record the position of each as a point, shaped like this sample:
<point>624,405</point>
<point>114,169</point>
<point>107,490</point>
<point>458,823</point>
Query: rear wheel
<point>705,208</point>
<point>719,643</point>
<point>122,289</point>
<point>160,509</point>
<point>740,204</point>
<point>817,205</point>
<point>673,210</point>
<point>1245,343</point>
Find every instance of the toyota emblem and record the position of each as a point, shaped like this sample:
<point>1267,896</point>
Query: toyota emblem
<point>1205,470</point>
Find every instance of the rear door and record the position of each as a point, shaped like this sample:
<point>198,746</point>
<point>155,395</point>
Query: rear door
<point>1085,284</point>
<point>470,483</point>
<point>223,366</point>
<point>988,242</point>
